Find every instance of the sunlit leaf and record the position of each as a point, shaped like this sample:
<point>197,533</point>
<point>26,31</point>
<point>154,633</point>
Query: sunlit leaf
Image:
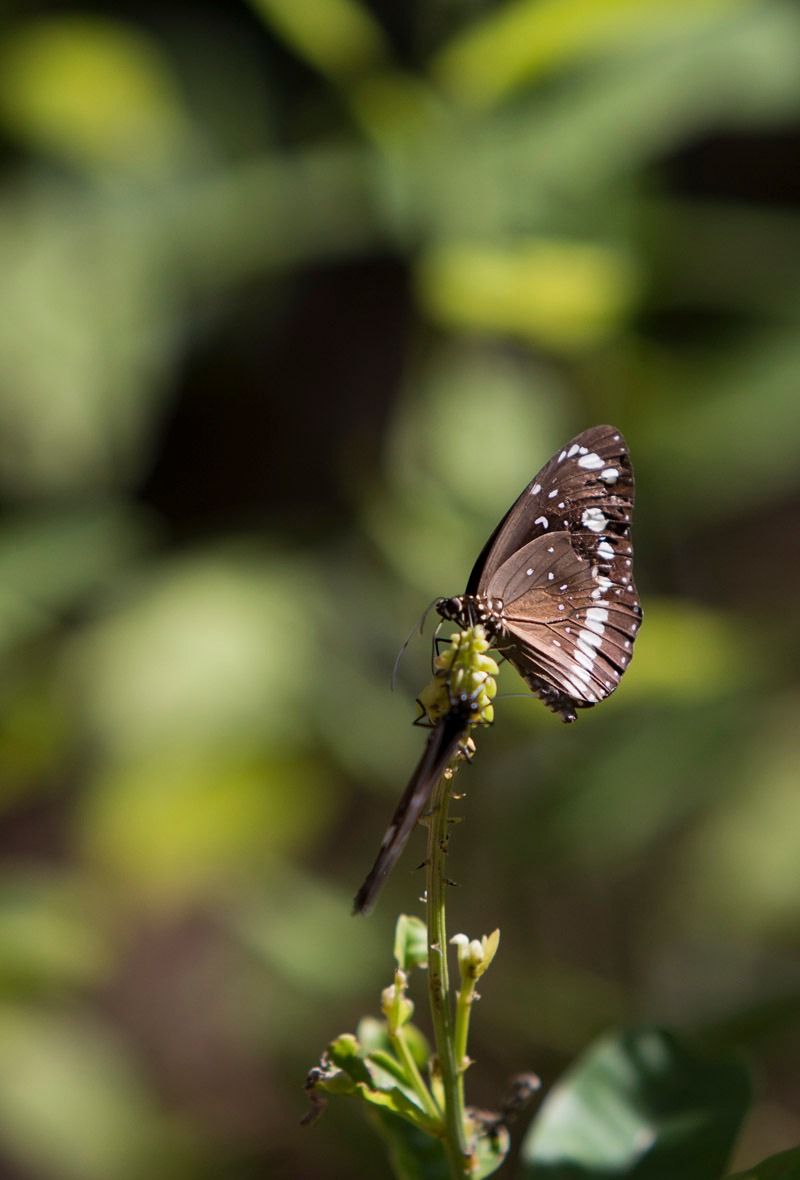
<point>562,294</point>
<point>93,90</point>
<point>86,340</point>
<point>194,654</point>
<point>688,650</point>
<point>522,41</point>
<point>337,37</point>
<point>178,820</point>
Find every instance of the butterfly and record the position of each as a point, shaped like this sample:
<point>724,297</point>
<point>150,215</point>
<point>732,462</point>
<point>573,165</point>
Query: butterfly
<point>553,585</point>
<point>553,589</point>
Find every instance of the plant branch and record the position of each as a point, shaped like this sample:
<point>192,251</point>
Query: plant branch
<point>439,984</point>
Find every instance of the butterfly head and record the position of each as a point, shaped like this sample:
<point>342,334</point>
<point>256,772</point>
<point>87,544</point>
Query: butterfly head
<point>453,610</point>
<point>470,610</point>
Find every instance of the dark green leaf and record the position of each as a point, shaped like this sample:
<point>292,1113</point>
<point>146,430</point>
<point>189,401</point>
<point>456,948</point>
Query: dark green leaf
<point>413,1154</point>
<point>785,1166</point>
<point>640,1104</point>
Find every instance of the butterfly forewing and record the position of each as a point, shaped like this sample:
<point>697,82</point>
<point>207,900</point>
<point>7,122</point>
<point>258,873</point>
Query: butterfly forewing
<point>592,469</point>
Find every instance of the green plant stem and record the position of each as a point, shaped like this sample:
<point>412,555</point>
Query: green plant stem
<point>461,1034</point>
<point>400,1046</point>
<point>439,985</point>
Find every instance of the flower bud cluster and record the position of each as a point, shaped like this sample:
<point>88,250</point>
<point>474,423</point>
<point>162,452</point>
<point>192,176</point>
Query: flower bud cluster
<point>463,672</point>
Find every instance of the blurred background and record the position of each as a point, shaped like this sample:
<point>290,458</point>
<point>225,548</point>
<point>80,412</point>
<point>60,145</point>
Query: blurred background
<point>294,299</point>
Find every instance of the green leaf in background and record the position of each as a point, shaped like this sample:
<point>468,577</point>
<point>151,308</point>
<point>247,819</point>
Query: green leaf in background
<point>639,1104</point>
<point>521,42</point>
<point>96,92</point>
<point>337,37</point>
<point>50,561</point>
<point>54,932</point>
<point>743,878</point>
<point>563,294</point>
<point>72,1103</point>
<point>182,819</point>
<point>785,1166</point>
<point>192,655</point>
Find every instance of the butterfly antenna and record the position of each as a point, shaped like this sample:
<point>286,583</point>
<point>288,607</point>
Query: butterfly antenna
<point>417,626</point>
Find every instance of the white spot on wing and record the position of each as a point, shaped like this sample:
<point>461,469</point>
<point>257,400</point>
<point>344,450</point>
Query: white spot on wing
<point>597,614</point>
<point>594,519</point>
<point>573,450</point>
<point>605,550</point>
<point>542,520</point>
<point>591,461</point>
<point>537,487</point>
<point>610,475</point>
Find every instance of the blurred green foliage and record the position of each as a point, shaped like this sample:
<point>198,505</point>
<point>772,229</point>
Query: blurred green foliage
<point>293,299</point>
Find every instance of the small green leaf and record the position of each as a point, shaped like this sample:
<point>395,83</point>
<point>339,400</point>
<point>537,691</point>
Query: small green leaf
<point>410,942</point>
<point>400,1104</point>
<point>390,1065</point>
<point>785,1166</point>
<point>347,1072</point>
<point>641,1105</point>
